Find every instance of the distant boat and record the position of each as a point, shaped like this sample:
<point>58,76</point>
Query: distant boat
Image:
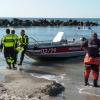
<point>57,48</point>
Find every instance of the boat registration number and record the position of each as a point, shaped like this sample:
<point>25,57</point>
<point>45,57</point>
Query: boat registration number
<point>49,50</point>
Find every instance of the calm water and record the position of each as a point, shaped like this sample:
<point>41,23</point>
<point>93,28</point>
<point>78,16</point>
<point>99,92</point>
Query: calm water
<point>48,33</point>
<point>69,72</point>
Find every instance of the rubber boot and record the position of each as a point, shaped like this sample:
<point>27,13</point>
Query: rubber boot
<point>86,82</point>
<point>14,66</point>
<point>20,63</point>
<point>9,66</point>
<point>95,84</point>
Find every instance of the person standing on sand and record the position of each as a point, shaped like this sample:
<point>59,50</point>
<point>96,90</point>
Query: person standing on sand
<point>91,46</point>
<point>8,43</point>
<point>15,37</point>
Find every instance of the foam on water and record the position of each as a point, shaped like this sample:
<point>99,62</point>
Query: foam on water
<point>56,78</point>
<point>89,91</point>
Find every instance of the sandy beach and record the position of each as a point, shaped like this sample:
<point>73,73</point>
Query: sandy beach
<point>28,83</point>
<point>18,85</point>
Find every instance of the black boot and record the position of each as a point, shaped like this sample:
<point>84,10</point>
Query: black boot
<point>86,82</point>
<point>14,66</point>
<point>9,66</point>
<point>20,63</point>
<point>95,84</point>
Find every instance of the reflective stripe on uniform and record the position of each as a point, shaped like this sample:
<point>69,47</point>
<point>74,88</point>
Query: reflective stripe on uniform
<point>19,49</point>
<point>8,40</point>
<point>10,60</point>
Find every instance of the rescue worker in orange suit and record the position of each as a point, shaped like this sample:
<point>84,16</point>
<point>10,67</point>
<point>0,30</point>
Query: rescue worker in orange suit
<point>7,43</point>
<point>91,47</point>
<point>23,43</point>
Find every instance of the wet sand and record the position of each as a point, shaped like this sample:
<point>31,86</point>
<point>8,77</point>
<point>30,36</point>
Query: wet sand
<point>18,85</point>
<point>26,84</point>
<point>74,82</point>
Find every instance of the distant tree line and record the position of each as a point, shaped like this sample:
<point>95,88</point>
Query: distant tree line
<point>15,22</point>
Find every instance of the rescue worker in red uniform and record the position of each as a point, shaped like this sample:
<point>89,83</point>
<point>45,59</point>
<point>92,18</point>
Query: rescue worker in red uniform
<point>91,47</point>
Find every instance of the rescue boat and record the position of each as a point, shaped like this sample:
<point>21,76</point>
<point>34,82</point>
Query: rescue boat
<point>57,48</point>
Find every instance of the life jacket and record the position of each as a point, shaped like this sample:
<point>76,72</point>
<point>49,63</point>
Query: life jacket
<point>91,60</point>
<point>8,41</point>
<point>23,40</point>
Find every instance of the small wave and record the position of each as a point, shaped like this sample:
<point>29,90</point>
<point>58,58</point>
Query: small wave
<point>89,91</point>
<point>56,78</point>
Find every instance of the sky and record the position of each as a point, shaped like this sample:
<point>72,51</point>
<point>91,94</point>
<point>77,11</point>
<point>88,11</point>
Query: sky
<point>50,8</point>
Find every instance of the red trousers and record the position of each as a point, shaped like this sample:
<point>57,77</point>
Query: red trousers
<point>95,71</point>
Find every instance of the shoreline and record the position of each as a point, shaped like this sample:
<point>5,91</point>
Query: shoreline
<point>19,85</point>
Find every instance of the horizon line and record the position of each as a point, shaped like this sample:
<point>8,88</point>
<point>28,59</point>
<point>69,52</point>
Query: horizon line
<point>57,17</point>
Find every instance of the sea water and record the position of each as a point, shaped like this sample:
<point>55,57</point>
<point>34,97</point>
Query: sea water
<point>69,72</point>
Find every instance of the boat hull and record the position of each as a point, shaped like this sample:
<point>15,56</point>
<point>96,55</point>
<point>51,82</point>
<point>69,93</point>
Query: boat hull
<point>55,52</point>
<point>57,55</point>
